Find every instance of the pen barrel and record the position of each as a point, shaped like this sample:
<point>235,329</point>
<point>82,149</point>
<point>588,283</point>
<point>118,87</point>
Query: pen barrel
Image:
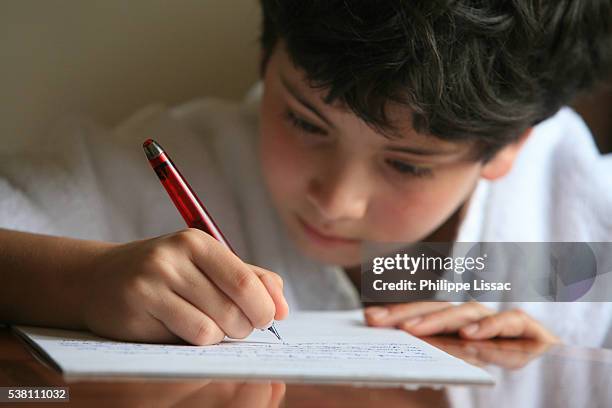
<point>186,201</point>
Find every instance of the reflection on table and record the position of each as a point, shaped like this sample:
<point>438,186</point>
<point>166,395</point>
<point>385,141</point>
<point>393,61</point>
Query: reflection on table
<point>527,374</point>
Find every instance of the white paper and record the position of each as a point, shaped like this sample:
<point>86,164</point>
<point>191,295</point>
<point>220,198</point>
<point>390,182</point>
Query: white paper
<point>317,346</point>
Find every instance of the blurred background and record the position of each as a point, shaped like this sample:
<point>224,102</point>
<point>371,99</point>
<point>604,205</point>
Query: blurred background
<point>108,58</point>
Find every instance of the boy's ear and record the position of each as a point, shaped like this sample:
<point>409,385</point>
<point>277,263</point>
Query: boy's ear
<point>503,160</point>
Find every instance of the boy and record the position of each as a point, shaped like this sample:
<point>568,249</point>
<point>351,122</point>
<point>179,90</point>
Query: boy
<point>379,121</point>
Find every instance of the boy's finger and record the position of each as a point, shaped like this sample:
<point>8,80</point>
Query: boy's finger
<point>509,323</point>
<point>186,321</point>
<point>235,278</point>
<point>274,276</point>
<point>274,285</point>
<point>447,320</point>
<point>197,289</point>
<point>493,326</point>
<point>390,316</point>
<point>146,330</point>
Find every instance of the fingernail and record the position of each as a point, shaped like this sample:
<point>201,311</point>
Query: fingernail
<point>377,313</point>
<point>267,326</point>
<point>471,328</point>
<point>412,322</point>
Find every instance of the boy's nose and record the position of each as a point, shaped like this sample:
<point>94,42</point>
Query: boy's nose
<point>341,194</point>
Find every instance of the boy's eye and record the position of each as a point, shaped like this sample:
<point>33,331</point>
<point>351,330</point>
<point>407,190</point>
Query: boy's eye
<point>303,124</point>
<point>409,169</point>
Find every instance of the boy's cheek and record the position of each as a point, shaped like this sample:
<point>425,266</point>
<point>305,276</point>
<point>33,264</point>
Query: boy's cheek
<point>282,165</point>
<point>413,216</point>
<point>405,224</point>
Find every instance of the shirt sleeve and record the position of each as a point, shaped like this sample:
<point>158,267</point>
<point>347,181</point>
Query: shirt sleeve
<point>52,187</point>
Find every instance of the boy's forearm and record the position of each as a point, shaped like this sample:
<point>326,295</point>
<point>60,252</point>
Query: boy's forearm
<point>42,278</point>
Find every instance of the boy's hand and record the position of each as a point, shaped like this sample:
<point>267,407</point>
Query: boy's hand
<point>184,285</point>
<point>470,320</point>
<point>511,354</point>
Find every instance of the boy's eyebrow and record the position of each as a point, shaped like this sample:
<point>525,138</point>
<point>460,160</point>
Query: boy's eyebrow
<point>310,107</point>
<point>303,101</point>
<point>420,151</point>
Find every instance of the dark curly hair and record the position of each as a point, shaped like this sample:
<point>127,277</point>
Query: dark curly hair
<point>472,70</point>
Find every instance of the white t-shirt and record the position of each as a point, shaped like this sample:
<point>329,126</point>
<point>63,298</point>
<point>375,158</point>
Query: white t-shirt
<point>88,182</point>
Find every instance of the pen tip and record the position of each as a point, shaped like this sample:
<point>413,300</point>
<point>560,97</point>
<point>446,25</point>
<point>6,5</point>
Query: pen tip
<point>275,332</point>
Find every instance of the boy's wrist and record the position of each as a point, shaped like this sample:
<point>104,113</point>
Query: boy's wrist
<point>45,278</point>
<point>78,281</point>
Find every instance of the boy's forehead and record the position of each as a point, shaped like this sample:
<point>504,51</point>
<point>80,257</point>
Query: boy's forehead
<point>401,132</point>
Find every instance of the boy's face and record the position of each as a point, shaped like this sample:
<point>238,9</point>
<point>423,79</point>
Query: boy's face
<point>337,183</point>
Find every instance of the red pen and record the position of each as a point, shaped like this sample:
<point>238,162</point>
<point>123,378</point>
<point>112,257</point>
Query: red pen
<point>184,198</point>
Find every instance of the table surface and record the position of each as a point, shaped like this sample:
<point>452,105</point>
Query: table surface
<point>527,374</point>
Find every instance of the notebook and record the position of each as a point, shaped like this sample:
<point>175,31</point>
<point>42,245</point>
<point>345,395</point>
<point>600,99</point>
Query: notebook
<point>317,347</point>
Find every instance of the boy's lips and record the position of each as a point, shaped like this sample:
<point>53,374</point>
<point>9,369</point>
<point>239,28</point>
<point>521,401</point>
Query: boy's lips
<point>324,238</point>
